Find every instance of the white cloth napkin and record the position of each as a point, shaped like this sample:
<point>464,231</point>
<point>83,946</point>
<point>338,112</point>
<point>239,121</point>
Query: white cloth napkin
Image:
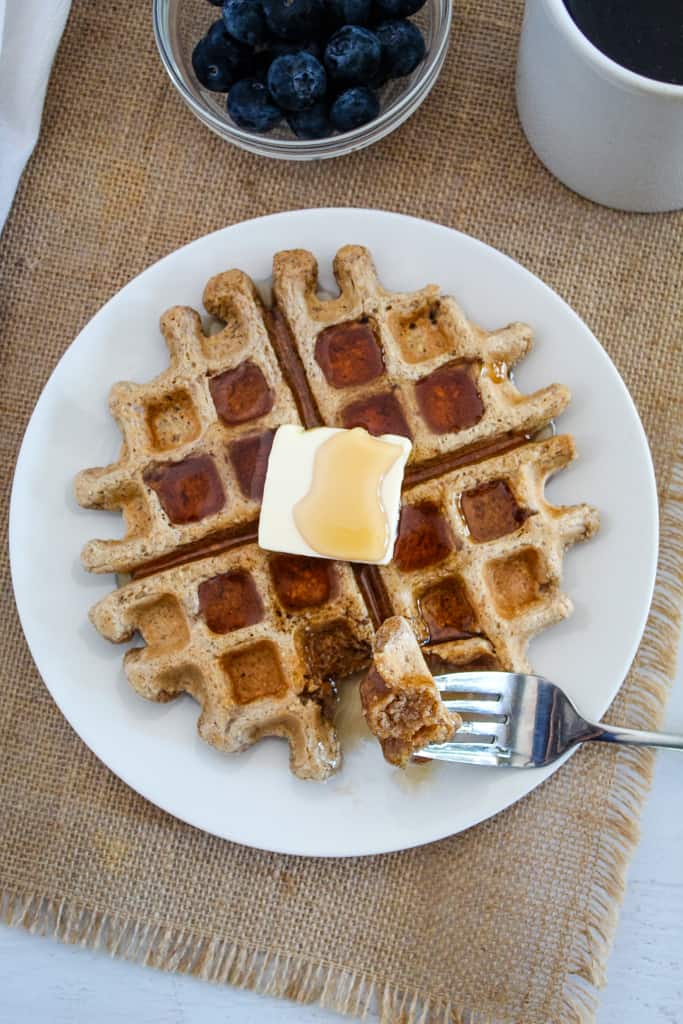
<point>30,31</point>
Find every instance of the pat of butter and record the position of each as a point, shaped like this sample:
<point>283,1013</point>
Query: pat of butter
<point>289,480</point>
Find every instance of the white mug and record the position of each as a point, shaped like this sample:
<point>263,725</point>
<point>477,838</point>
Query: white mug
<point>608,133</point>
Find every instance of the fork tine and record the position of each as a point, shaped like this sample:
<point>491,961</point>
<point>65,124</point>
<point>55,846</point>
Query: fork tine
<point>470,682</point>
<point>463,753</point>
<point>473,707</point>
<point>482,732</point>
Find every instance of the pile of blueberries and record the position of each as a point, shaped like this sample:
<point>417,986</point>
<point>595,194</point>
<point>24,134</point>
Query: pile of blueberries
<point>317,63</point>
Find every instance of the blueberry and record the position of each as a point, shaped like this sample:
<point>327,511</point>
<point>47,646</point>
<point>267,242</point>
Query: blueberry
<point>353,55</point>
<point>250,105</point>
<point>402,47</point>
<point>313,123</point>
<point>296,81</point>
<point>398,8</point>
<point>350,12</point>
<point>294,19</point>
<point>216,3</point>
<point>262,59</point>
<point>218,60</point>
<point>218,32</point>
<point>245,21</point>
<point>353,108</point>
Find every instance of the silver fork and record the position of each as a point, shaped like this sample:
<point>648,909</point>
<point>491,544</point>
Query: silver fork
<point>521,721</point>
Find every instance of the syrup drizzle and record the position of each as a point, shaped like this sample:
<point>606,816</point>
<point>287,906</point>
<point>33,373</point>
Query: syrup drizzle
<point>214,544</point>
<point>292,368</point>
<point>374,593</point>
<point>342,516</point>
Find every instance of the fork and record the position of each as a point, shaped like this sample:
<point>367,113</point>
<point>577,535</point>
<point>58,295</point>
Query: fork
<point>515,720</point>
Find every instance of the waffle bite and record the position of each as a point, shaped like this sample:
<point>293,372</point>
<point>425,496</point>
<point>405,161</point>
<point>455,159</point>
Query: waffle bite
<point>260,640</point>
<point>401,702</point>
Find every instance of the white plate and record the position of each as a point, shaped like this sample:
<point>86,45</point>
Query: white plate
<point>252,798</point>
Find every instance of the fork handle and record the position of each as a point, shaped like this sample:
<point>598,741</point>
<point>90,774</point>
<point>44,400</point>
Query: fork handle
<point>635,737</point>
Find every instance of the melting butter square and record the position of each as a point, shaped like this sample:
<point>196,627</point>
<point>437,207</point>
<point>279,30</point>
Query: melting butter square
<point>333,493</point>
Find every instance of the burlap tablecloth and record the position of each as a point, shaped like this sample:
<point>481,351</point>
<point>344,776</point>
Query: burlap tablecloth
<point>509,922</point>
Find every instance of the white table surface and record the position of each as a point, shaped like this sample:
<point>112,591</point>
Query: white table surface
<point>45,982</point>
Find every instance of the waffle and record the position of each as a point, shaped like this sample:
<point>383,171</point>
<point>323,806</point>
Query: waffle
<point>409,364</point>
<point>259,639</point>
<point>478,559</point>
<point>196,438</point>
<point>401,702</point>
<point>254,638</point>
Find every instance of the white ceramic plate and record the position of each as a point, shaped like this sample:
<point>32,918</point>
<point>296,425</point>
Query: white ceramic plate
<point>252,798</point>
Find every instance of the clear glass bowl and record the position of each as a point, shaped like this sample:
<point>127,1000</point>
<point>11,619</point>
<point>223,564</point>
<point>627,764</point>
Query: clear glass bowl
<point>179,24</point>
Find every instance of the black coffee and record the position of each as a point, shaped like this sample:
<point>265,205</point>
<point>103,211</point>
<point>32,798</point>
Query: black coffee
<point>643,35</point>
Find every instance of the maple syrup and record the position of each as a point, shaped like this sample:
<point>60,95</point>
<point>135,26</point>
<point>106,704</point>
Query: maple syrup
<point>342,516</point>
<point>497,370</point>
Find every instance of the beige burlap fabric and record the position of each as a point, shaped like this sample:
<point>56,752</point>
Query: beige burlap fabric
<point>509,922</point>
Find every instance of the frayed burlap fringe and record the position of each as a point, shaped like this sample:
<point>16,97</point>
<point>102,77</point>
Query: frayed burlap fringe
<point>653,673</point>
<point>355,994</point>
<point>272,974</point>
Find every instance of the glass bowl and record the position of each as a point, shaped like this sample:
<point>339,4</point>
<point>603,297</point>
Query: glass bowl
<point>179,24</point>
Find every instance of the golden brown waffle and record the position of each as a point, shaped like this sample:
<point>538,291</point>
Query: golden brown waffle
<point>478,559</point>
<point>401,363</point>
<point>401,702</point>
<point>254,638</point>
<point>196,438</point>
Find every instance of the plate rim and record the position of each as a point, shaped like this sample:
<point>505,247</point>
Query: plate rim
<point>22,456</point>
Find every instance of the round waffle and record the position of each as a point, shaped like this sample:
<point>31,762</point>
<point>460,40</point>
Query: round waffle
<point>260,640</point>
